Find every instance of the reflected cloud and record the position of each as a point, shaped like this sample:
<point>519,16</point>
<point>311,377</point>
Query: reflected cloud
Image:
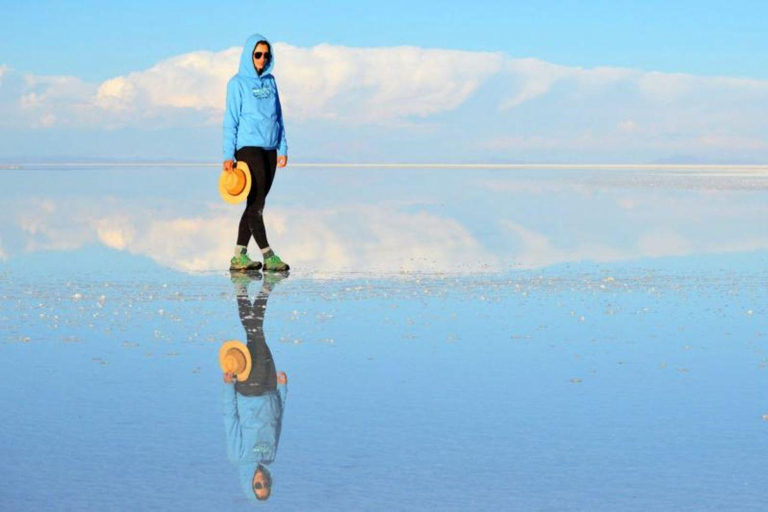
<point>494,222</point>
<point>663,242</point>
<point>49,228</point>
<point>538,250</point>
<point>378,239</point>
<point>354,237</point>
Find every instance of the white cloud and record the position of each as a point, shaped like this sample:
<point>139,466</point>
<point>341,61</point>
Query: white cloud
<point>665,87</point>
<point>627,126</point>
<point>46,120</point>
<point>325,81</point>
<point>46,102</point>
<point>527,108</point>
<point>194,81</point>
<point>564,111</point>
<point>116,94</point>
<point>371,85</point>
<point>534,78</point>
<point>379,84</point>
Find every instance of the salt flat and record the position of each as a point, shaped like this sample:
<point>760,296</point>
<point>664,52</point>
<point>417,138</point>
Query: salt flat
<point>456,339</point>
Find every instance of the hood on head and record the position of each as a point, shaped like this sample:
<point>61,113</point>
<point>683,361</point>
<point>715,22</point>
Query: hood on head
<point>246,479</point>
<point>246,59</point>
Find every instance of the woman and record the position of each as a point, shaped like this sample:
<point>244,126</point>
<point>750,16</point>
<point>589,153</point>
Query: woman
<point>254,133</point>
<point>253,408</point>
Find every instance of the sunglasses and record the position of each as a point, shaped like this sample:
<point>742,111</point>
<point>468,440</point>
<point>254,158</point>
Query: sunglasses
<point>259,486</point>
<point>258,55</point>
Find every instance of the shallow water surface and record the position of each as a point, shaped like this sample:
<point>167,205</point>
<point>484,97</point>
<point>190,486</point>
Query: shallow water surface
<point>453,340</point>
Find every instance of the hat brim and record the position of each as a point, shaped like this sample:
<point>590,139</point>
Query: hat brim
<point>237,198</point>
<point>236,345</point>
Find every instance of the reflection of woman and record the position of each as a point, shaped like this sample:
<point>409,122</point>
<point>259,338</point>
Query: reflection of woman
<point>255,134</point>
<point>253,409</point>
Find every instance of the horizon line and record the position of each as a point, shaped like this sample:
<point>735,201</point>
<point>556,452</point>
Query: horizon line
<point>411,165</point>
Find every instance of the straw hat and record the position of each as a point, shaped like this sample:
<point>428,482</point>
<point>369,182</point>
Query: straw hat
<point>234,186</point>
<point>235,358</point>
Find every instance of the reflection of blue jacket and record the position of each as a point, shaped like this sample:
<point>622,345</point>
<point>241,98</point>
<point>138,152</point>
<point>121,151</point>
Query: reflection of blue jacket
<point>253,116</point>
<point>253,425</point>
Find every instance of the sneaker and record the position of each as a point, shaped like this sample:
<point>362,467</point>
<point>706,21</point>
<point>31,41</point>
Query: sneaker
<point>243,263</point>
<point>275,264</point>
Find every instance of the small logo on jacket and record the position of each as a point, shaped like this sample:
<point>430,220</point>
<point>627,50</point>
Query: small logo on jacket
<point>262,447</point>
<point>262,92</point>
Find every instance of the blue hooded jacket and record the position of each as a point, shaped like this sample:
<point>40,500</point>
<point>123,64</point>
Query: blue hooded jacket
<point>253,425</point>
<point>253,116</point>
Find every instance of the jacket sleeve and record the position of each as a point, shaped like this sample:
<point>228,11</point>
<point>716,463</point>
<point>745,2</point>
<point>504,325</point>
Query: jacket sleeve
<point>282,145</point>
<point>231,119</point>
<point>282,389</point>
<point>232,423</point>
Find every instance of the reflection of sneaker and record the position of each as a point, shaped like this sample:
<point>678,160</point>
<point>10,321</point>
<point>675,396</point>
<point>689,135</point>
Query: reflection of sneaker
<point>272,278</point>
<point>244,277</point>
<point>274,263</point>
<point>241,280</point>
<point>242,262</point>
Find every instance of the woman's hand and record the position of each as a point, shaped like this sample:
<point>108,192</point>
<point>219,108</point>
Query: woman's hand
<point>229,165</point>
<point>282,161</point>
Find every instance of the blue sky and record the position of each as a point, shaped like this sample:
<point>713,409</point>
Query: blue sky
<point>540,97</point>
<point>93,40</point>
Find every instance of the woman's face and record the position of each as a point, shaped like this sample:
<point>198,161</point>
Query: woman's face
<point>261,62</point>
<point>261,485</point>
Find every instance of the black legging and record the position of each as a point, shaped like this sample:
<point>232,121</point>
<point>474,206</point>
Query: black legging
<point>262,163</point>
<point>263,376</point>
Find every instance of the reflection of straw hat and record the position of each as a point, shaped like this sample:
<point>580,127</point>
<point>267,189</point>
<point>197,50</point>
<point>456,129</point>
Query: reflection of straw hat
<point>234,186</point>
<point>235,358</point>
